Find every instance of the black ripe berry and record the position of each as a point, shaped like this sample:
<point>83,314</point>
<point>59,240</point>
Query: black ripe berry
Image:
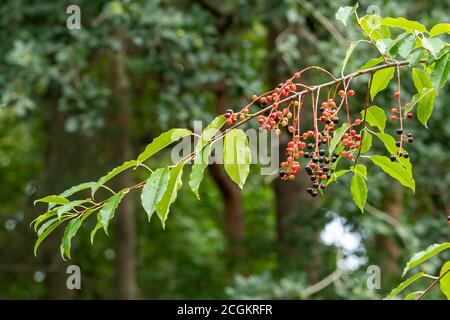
<point>335,120</point>
<point>322,152</point>
<point>322,186</point>
<point>410,139</point>
<point>399,131</point>
<point>315,185</point>
<point>310,146</point>
<point>398,143</point>
<point>309,190</point>
<point>306,155</point>
<point>406,155</point>
<point>333,159</point>
<point>409,135</point>
<point>393,158</point>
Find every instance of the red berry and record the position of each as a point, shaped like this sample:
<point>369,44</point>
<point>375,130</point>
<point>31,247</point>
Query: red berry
<point>292,87</point>
<point>341,93</point>
<point>254,97</point>
<point>291,129</point>
<point>351,93</point>
<point>261,120</point>
<point>394,110</point>
<point>297,75</point>
<point>396,94</point>
<point>352,132</point>
<point>409,115</point>
<point>350,156</point>
<point>263,100</point>
<point>357,122</point>
<point>393,117</point>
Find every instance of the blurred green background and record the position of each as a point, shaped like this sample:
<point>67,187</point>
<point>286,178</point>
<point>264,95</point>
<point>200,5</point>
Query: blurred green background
<point>75,103</point>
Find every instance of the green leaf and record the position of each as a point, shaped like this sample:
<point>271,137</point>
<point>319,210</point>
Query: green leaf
<point>412,295</point>
<point>361,170</point>
<point>384,45</point>
<point>444,282</point>
<point>395,170</point>
<point>237,156</point>
<point>114,172</point>
<point>53,200</point>
<point>68,206</point>
<point>371,25</point>
<point>434,45</point>
<point>425,106</point>
<point>380,80</point>
<point>202,153</point>
<point>418,97</point>
<point>439,29</point>
<point>404,285</point>
<point>169,197</point>
<point>70,231</point>
<point>45,226</point>
<point>161,142</point>
<point>44,234</point>
<point>405,24</point>
<point>407,46</point>
<point>77,188</point>
<point>375,117</point>
<point>336,175</point>
<point>344,13</point>
<point>371,63</point>
<point>422,256</point>
<point>198,168</point>
<point>97,227</point>
<point>154,189</point>
<point>109,208</point>
<point>358,189</point>
<point>439,75</point>
<point>415,57</point>
<point>366,142</point>
<point>389,143</point>
<point>421,79</point>
<point>348,54</point>
<point>337,136</point>
<point>42,218</point>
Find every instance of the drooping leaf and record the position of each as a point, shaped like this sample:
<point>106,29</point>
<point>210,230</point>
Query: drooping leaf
<point>202,152</point>
<point>366,142</point>
<point>395,170</point>
<point>380,81</point>
<point>371,24</point>
<point>404,50</point>
<point>358,189</point>
<point>434,45</point>
<point>77,188</point>
<point>405,24</point>
<point>237,156</point>
<point>418,97</point>
<point>70,231</point>
<point>337,136</point>
<point>154,189</point>
<point>349,53</point>
<point>421,79</point>
<point>42,218</point>
<point>109,208</point>
<point>412,295</point>
<point>439,75</point>
<point>336,175</point>
<point>169,197</point>
<point>439,29</point>
<point>371,63</point>
<point>375,117</point>
<point>68,207</point>
<point>161,142</point>
<point>425,106</point>
<point>97,227</point>
<point>114,172</point>
<point>390,144</point>
<point>404,285</point>
<point>198,169</point>
<point>415,57</point>
<point>422,256</point>
<point>361,170</point>
<point>44,234</point>
<point>53,200</point>
<point>344,13</point>
<point>444,282</point>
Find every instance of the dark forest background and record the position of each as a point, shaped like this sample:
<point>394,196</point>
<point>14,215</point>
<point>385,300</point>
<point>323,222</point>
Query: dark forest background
<point>75,103</point>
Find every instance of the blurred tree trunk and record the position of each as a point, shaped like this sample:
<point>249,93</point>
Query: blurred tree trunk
<point>231,194</point>
<point>60,157</point>
<point>122,151</point>
<point>294,206</point>
<point>393,206</point>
